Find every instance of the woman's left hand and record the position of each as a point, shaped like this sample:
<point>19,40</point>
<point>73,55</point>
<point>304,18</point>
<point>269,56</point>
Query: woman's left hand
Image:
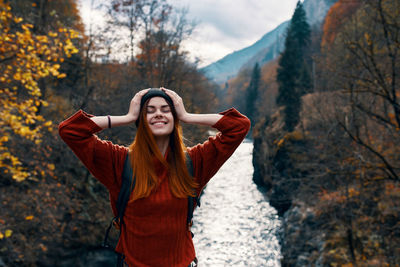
<point>178,104</point>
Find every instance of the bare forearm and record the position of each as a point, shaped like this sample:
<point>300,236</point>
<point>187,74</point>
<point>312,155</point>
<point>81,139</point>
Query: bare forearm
<point>202,119</point>
<point>102,121</point>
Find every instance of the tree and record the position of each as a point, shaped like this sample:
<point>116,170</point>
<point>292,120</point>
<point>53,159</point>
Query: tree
<point>25,58</point>
<point>362,69</point>
<point>161,60</point>
<point>364,60</point>
<point>336,17</point>
<point>252,93</point>
<point>293,74</point>
<point>126,14</point>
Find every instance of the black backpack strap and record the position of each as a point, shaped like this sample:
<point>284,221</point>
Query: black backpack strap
<point>127,185</point>
<point>191,200</point>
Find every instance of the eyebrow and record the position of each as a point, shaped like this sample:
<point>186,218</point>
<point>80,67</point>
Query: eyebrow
<point>151,106</point>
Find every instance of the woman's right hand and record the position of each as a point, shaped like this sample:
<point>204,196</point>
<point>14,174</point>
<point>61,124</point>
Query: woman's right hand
<point>134,107</point>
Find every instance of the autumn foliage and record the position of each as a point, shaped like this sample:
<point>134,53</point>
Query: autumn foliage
<point>336,17</point>
<point>335,178</point>
<point>25,58</point>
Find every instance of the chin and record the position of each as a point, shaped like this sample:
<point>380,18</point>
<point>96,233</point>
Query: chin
<point>161,133</point>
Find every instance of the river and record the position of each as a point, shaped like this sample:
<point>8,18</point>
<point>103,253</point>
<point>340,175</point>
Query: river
<point>235,225</point>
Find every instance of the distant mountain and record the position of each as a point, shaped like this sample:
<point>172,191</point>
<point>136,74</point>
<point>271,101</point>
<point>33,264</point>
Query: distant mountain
<point>265,49</point>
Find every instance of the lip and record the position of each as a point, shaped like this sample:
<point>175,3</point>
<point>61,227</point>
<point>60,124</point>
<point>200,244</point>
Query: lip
<point>159,123</point>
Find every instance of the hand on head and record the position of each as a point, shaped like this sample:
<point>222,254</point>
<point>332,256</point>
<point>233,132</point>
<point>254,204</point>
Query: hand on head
<point>134,107</point>
<point>178,103</point>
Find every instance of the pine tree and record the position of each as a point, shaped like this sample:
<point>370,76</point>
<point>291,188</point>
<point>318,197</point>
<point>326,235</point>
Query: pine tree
<point>293,75</point>
<point>252,93</point>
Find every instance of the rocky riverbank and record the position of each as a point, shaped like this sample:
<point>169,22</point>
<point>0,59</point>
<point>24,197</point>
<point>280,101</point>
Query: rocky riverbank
<point>334,211</point>
<point>283,163</point>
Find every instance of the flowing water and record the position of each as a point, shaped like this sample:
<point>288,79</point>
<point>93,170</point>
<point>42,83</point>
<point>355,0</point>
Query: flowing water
<point>235,225</point>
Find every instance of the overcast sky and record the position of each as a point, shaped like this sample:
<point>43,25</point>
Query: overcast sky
<point>224,26</point>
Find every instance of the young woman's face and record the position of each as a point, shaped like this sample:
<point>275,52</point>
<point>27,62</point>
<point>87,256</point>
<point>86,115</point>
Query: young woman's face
<point>159,117</point>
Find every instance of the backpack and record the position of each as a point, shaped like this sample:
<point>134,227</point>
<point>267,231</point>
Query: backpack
<point>123,198</point>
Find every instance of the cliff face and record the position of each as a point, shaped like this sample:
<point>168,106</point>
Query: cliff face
<point>331,214</point>
<point>281,164</point>
<point>288,165</point>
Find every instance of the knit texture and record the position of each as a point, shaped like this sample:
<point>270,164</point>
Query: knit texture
<point>155,232</point>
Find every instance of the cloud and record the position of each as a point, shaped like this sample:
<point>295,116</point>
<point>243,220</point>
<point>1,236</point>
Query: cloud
<point>223,25</point>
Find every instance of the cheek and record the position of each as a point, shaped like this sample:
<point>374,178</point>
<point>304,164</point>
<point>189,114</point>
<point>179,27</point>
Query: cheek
<point>171,118</point>
<point>171,125</point>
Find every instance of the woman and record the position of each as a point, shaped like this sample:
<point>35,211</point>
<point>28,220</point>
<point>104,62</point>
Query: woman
<point>155,232</point>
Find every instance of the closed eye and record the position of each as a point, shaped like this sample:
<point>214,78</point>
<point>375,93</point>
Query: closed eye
<point>165,109</point>
<point>151,109</point>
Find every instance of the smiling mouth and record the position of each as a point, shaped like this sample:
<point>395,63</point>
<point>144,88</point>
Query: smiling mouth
<point>159,123</point>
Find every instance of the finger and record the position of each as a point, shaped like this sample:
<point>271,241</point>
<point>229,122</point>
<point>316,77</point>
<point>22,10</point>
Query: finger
<point>144,91</point>
<point>141,93</point>
<point>171,93</point>
<point>167,90</point>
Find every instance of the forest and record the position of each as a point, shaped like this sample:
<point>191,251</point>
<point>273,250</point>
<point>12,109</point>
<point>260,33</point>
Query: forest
<point>326,135</point>
<point>325,123</point>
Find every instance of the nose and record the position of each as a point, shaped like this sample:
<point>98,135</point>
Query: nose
<point>158,113</point>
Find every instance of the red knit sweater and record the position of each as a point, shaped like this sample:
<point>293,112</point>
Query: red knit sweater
<point>156,233</point>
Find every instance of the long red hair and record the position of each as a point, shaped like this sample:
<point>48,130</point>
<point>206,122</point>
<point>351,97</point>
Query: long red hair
<point>144,150</point>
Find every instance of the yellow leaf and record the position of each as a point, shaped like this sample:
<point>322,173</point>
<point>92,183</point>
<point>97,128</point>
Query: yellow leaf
<point>62,75</point>
<point>29,121</point>
<point>51,166</point>
<point>18,20</point>
<point>8,233</point>
<point>29,218</point>
<point>52,34</point>
<point>1,235</point>
<point>24,131</point>
<point>280,143</point>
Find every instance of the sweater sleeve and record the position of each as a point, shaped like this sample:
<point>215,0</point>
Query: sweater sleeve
<point>209,156</point>
<point>102,158</point>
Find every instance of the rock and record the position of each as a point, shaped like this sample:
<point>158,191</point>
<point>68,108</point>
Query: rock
<point>281,164</point>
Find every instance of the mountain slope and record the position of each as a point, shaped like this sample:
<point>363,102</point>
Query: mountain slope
<point>228,66</point>
<point>265,49</point>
